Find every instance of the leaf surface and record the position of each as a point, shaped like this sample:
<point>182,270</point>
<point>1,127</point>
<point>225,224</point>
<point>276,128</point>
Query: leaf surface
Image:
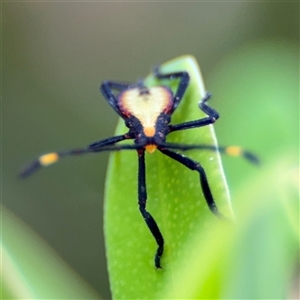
<point>175,199</point>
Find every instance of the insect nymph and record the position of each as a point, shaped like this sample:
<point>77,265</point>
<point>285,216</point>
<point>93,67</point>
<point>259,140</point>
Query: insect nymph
<point>147,113</point>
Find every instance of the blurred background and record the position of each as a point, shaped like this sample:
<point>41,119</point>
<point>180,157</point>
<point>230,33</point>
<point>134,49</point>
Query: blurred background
<point>54,56</point>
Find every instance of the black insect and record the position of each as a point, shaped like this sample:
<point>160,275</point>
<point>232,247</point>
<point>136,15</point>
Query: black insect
<point>147,113</point>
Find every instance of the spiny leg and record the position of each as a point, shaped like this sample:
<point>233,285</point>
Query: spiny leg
<point>213,115</point>
<point>106,89</point>
<point>109,141</point>
<point>142,197</point>
<point>183,83</point>
<point>195,166</point>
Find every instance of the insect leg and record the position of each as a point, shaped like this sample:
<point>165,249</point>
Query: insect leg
<point>142,199</point>
<point>183,84</point>
<point>213,115</point>
<point>109,141</point>
<point>106,90</point>
<point>195,166</point>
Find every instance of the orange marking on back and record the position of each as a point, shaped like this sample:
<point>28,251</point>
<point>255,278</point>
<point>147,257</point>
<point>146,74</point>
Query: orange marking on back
<point>149,131</point>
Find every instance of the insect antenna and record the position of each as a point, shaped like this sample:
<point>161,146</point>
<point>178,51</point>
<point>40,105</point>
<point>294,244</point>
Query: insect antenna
<point>52,157</point>
<point>229,150</point>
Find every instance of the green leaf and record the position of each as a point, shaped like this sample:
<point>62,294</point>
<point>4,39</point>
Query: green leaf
<point>175,200</point>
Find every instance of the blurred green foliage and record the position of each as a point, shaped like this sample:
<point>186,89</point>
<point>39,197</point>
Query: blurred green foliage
<point>53,57</point>
<point>31,270</point>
